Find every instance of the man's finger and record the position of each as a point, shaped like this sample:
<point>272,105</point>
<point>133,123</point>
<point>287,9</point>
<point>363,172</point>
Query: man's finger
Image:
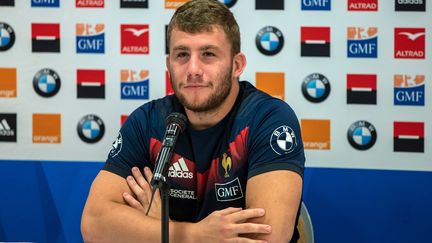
<point>131,201</point>
<point>230,210</point>
<point>252,228</point>
<point>137,190</point>
<point>244,240</point>
<point>245,214</point>
<point>138,176</point>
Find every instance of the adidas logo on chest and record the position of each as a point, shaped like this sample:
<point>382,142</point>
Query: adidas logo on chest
<point>179,169</point>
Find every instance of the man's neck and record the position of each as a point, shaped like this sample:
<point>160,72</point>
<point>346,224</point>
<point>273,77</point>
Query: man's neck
<point>203,120</point>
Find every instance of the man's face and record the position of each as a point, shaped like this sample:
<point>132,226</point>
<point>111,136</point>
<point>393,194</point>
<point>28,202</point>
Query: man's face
<point>200,66</point>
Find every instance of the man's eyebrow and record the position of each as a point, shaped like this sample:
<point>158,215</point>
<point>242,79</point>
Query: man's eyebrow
<point>180,48</point>
<point>208,47</point>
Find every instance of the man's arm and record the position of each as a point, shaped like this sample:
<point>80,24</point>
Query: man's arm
<point>107,218</point>
<point>279,193</point>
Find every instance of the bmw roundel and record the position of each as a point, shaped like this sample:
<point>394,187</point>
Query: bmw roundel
<point>316,87</point>
<point>362,135</point>
<point>228,3</point>
<point>283,140</point>
<point>7,36</point>
<point>269,40</point>
<point>91,128</point>
<point>46,82</point>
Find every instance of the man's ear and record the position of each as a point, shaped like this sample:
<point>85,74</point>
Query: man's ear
<point>239,64</point>
<point>167,61</point>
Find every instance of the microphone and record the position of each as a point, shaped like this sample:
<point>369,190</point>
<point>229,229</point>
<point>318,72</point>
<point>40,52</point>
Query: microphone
<point>175,124</point>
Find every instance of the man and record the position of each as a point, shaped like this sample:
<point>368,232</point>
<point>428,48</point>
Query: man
<point>236,173</point>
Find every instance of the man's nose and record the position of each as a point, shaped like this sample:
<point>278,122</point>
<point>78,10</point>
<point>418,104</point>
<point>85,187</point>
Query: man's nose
<point>195,67</point>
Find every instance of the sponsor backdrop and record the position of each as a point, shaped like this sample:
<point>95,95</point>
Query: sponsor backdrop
<point>357,73</point>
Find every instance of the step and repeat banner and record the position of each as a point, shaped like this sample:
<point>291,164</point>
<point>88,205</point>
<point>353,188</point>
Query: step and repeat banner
<point>356,72</point>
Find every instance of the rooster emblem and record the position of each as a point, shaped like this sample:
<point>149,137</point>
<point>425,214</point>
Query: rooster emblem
<point>226,164</point>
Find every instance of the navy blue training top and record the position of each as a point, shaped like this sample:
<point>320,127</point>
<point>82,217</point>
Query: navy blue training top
<point>210,167</point>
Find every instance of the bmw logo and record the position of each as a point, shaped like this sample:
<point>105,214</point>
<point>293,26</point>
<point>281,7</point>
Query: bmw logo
<point>283,140</point>
<point>269,40</point>
<point>362,135</point>
<point>7,37</point>
<point>91,128</point>
<point>46,82</point>
<point>228,3</point>
<point>316,87</point>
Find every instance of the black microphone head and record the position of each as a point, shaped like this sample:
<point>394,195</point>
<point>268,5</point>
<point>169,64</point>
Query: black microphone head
<point>177,118</point>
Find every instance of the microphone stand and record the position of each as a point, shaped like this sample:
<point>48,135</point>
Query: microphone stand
<point>164,191</point>
<point>176,123</point>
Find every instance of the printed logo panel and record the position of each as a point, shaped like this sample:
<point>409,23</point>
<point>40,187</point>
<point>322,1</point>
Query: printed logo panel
<point>362,135</point>
<point>228,3</point>
<point>123,119</point>
<point>90,128</point>
<point>168,88</point>
<point>7,37</point>
<point>315,134</point>
<point>269,4</point>
<point>46,82</point>
<point>45,37</point>
<point>316,88</point>
<point>8,83</point>
<point>410,5</point>
<point>316,5</point>
<point>174,4</point>
<point>89,3</point>
<point>410,43</point>
<point>271,83</point>
<point>134,39</point>
<point>90,38</point>
<point>91,83</point>
<point>45,3</point>
<point>269,40</point>
<point>315,41</point>
<point>362,42</point>
<point>8,127</point>
<point>362,5</point>
<point>362,89</point>
<point>408,137</point>
<point>134,84</point>
<point>47,128</point>
<point>8,3</point>
<point>134,4</point>
<point>409,90</point>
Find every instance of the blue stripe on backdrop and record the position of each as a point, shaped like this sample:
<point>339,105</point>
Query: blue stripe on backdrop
<point>348,205</point>
<point>42,201</point>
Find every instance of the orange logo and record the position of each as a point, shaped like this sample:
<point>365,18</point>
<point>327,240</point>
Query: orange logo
<point>8,83</point>
<point>316,134</point>
<point>271,83</point>
<point>174,4</point>
<point>46,128</point>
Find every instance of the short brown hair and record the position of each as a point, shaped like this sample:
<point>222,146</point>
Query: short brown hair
<point>201,15</point>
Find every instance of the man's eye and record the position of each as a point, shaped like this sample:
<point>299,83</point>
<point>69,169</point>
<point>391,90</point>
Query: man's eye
<point>182,54</point>
<point>209,54</point>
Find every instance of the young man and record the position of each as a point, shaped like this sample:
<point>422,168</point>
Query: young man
<point>236,173</point>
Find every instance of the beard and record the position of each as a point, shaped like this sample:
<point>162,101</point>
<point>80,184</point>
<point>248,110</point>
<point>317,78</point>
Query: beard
<point>216,98</point>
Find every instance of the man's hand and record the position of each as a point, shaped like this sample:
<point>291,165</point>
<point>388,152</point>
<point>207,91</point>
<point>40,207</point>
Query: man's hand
<point>142,191</point>
<point>226,225</point>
